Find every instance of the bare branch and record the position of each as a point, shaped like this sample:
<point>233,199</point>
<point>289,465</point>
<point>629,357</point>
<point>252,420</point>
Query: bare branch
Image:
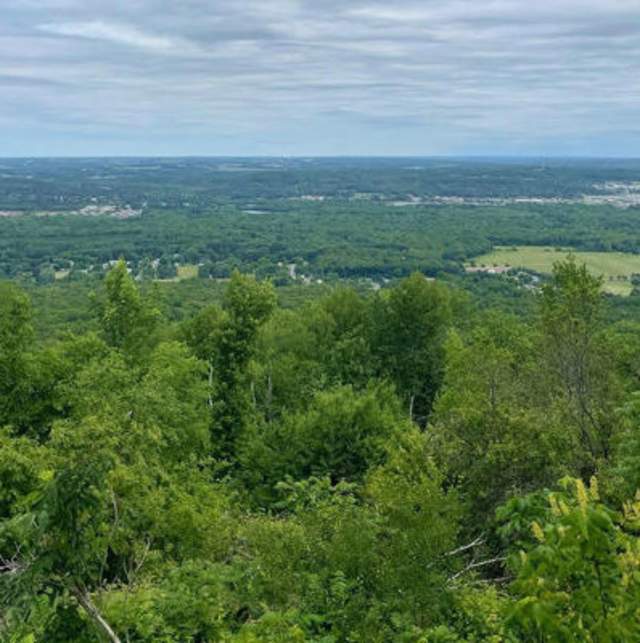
<point>13,565</point>
<point>92,612</point>
<point>210,382</point>
<point>134,565</point>
<point>475,543</point>
<point>476,565</point>
<point>10,566</point>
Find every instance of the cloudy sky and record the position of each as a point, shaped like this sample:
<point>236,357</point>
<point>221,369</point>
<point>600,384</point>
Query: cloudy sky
<point>336,77</point>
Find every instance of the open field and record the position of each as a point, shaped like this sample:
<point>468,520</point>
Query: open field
<point>616,267</point>
<point>183,272</point>
<point>187,271</point>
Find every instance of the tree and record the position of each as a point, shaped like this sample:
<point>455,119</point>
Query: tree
<point>346,351</point>
<point>128,322</point>
<point>622,477</point>
<point>299,352</point>
<point>227,340</point>
<point>409,328</point>
<point>288,370</point>
<point>16,335</point>
<point>420,523</point>
<point>489,431</point>
<point>120,488</point>
<point>583,384</point>
<point>167,268</point>
<point>341,435</point>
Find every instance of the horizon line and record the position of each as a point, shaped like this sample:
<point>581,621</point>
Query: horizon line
<point>326,156</point>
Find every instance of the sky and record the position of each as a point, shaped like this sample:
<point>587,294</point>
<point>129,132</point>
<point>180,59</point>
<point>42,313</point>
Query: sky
<point>320,77</point>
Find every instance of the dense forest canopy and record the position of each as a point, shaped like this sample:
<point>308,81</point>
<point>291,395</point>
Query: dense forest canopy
<point>396,466</point>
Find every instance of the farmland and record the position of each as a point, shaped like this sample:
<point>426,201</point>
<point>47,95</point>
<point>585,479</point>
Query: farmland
<point>615,267</point>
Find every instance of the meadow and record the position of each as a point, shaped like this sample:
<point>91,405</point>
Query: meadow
<point>615,267</point>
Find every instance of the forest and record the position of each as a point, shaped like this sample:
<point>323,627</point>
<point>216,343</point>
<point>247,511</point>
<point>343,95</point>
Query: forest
<point>412,464</point>
<point>336,219</point>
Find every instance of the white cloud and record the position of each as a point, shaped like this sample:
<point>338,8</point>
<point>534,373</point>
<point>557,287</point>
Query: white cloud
<point>116,33</point>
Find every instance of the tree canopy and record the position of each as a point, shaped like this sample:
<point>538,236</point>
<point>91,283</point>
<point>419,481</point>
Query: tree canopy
<point>400,466</point>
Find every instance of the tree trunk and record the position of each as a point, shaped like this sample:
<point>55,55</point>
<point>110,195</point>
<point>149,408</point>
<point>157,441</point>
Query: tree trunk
<point>210,400</point>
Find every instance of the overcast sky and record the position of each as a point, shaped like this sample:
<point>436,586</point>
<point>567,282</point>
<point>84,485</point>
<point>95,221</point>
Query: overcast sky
<point>304,77</point>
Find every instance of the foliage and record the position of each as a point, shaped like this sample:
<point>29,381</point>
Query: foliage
<point>391,467</point>
<point>579,580</point>
<point>127,321</point>
<point>341,434</point>
<point>409,328</point>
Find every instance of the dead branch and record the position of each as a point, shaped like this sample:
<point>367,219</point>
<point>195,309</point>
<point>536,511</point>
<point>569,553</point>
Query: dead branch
<point>137,564</point>
<point>475,543</point>
<point>13,565</point>
<point>476,565</point>
<point>92,612</point>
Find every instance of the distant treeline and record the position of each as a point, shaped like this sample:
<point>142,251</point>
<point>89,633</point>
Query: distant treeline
<point>331,239</point>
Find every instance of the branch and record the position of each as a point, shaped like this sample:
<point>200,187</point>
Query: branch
<point>116,520</point>
<point>92,612</point>
<point>210,381</point>
<point>459,550</point>
<point>136,565</point>
<point>475,543</point>
<point>481,563</point>
<point>12,565</point>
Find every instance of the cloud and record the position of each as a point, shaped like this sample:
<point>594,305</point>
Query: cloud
<point>115,33</point>
<point>322,76</point>
<point>8,81</point>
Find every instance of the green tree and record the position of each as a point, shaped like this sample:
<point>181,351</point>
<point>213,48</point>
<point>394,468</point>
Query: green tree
<point>341,435</point>
<point>287,370</point>
<point>121,488</point>
<point>227,341</point>
<point>299,352</point>
<point>410,324</point>
<point>127,320</point>
<point>622,476</point>
<point>420,523</point>
<point>16,336</point>
<point>489,431</point>
<point>582,386</point>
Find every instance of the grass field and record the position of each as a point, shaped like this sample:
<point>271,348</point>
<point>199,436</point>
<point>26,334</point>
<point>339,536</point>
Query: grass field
<point>187,271</point>
<point>616,267</point>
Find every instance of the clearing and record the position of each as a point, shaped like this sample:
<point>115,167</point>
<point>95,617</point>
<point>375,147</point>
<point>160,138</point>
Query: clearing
<point>183,272</point>
<point>187,271</point>
<point>616,267</point>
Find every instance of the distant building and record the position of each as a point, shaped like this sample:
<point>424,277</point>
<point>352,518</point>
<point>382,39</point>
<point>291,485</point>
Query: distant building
<point>489,270</point>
